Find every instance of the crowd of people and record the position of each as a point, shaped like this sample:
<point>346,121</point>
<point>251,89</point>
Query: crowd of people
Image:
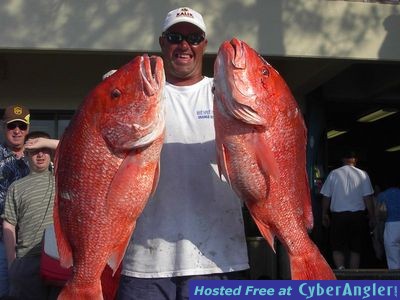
<point>192,227</point>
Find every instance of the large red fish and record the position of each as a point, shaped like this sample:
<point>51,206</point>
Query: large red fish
<point>261,146</point>
<point>107,165</point>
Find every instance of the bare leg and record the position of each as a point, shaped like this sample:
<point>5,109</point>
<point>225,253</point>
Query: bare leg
<point>354,260</point>
<point>338,259</point>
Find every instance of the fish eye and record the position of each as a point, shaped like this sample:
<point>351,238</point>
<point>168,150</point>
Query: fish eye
<point>115,93</point>
<point>265,71</point>
<point>213,89</point>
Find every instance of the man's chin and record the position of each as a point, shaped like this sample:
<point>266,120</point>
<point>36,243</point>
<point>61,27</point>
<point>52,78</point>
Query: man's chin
<point>16,144</point>
<point>183,74</point>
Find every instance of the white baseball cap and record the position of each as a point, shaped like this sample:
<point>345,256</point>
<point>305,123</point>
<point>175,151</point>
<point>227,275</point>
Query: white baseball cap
<point>184,14</point>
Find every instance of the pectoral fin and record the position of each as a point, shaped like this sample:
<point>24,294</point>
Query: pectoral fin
<point>156,179</point>
<point>120,191</point>
<point>223,163</point>
<point>266,232</point>
<point>265,157</point>
<point>118,252</point>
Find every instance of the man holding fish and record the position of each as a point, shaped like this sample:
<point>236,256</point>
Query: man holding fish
<point>192,227</point>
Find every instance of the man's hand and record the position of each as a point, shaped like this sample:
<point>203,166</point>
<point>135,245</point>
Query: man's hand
<point>326,220</point>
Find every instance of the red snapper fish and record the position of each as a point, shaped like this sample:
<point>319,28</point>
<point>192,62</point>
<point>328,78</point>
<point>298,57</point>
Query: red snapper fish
<point>261,148</point>
<point>107,166</point>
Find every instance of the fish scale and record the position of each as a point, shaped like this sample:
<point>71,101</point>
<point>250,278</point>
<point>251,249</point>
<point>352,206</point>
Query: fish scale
<point>261,150</point>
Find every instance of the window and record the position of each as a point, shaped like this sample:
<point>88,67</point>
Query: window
<point>54,123</point>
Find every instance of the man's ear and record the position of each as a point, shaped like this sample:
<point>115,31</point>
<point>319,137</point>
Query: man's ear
<point>205,45</point>
<point>161,42</point>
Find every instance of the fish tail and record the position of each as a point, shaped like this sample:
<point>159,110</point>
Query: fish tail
<point>81,292</point>
<point>310,266</point>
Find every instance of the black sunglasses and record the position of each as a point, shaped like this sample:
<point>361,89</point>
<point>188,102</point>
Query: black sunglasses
<point>20,125</point>
<point>177,38</point>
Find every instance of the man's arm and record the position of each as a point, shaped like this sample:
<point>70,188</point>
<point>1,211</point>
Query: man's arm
<point>40,142</point>
<point>326,203</point>
<point>9,241</point>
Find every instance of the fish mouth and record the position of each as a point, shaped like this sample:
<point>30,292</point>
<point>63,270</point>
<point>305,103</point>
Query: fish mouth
<point>237,85</point>
<point>238,59</point>
<point>152,72</point>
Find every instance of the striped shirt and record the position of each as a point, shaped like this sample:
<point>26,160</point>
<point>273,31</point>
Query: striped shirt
<point>29,207</point>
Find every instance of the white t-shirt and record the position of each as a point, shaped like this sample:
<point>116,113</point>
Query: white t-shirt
<point>346,186</point>
<point>193,224</point>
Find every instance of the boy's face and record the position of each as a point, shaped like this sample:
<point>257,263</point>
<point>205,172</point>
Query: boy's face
<point>39,160</point>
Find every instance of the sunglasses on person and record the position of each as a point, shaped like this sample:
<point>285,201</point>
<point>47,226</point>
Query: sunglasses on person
<point>20,125</point>
<point>177,38</point>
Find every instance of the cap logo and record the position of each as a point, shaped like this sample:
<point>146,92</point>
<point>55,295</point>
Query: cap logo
<point>18,110</point>
<point>184,13</point>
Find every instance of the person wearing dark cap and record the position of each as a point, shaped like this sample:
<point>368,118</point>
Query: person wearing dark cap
<point>347,194</point>
<point>13,166</point>
<point>192,227</point>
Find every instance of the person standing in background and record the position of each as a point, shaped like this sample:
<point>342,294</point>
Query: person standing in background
<point>13,166</point>
<point>391,235</point>
<point>347,193</point>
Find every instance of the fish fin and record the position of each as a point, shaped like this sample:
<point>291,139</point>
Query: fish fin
<point>222,163</point>
<point>120,187</point>
<point>265,157</point>
<point>110,282</point>
<point>266,233</point>
<point>112,271</point>
<point>307,208</point>
<point>310,266</point>
<point>64,248</point>
<point>156,179</point>
<point>83,292</point>
<point>124,179</point>
<point>118,252</point>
